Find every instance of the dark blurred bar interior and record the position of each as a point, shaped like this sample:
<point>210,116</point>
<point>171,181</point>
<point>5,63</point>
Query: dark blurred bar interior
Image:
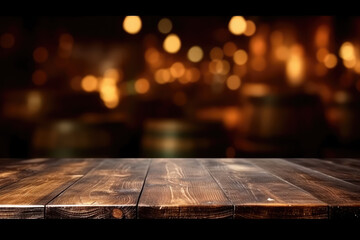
<point>171,86</point>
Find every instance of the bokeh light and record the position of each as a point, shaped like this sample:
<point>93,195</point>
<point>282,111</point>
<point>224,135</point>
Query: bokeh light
<point>233,82</point>
<point>195,54</point>
<point>142,85</point>
<point>132,24</point>
<point>165,25</point>
<point>172,43</point>
<point>89,83</point>
<point>237,25</point>
<point>240,57</point>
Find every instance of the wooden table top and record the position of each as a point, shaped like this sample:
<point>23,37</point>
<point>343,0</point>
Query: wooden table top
<point>180,188</point>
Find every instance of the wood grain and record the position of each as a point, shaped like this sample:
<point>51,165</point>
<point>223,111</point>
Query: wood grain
<point>342,197</point>
<point>182,188</point>
<point>258,194</point>
<point>350,162</point>
<point>349,174</point>
<point>109,191</point>
<point>27,197</point>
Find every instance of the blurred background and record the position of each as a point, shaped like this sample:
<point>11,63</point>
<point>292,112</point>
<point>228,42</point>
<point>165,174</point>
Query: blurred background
<point>172,86</point>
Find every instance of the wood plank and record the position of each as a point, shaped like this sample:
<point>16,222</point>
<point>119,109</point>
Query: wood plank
<point>182,188</point>
<point>334,169</point>
<point>13,171</point>
<point>258,194</point>
<point>27,197</point>
<point>109,191</point>
<point>350,162</point>
<point>342,197</point>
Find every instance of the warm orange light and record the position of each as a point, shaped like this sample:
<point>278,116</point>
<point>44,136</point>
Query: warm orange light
<point>40,54</point>
<point>347,51</point>
<point>132,24</point>
<point>229,49</point>
<point>257,45</point>
<point>295,70</point>
<point>233,82</point>
<point>195,54</point>
<point>152,56</point>
<point>177,70</point>
<point>277,38</point>
<point>216,53</point>
<point>255,89</point>
<point>237,25</point>
<point>113,74</point>
<point>7,40</point>
<point>330,60</point>
<point>223,67</point>
<point>240,57</point>
<point>321,54</point>
<point>89,83</point>
<point>195,74</point>
<point>172,43</point>
<point>39,77</point>
<point>322,36</point>
<point>349,63</point>
<point>357,68</point>
<point>250,28</point>
<point>282,53</point>
<point>142,85</point>
<point>320,70</point>
<point>165,25</point>
<point>163,76</point>
<point>258,63</point>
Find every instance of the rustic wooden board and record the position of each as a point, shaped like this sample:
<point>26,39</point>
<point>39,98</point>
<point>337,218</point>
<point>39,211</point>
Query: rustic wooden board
<point>258,194</point>
<point>182,188</point>
<point>350,162</point>
<point>109,191</point>
<point>27,197</point>
<point>343,197</point>
<point>345,173</point>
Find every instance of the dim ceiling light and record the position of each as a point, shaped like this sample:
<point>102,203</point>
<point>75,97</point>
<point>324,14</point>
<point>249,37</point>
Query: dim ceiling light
<point>237,25</point>
<point>165,25</point>
<point>172,43</point>
<point>132,24</point>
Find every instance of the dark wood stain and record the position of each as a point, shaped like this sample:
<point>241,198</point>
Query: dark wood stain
<point>337,193</point>
<point>27,197</point>
<point>257,193</point>
<point>349,174</point>
<point>109,191</point>
<point>182,188</point>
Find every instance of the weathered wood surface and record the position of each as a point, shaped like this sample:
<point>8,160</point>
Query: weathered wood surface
<point>342,197</point>
<point>258,194</point>
<point>109,191</point>
<point>350,162</point>
<point>349,174</point>
<point>27,196</point>
<point>182,188</point>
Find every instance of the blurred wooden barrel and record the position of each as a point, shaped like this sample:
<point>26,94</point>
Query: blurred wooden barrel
<point>32,104</point>
<point>343,116</point>
<point>281,124</point>
<point>181,138</point>
<point>82,137</point>
<point>21,111</point>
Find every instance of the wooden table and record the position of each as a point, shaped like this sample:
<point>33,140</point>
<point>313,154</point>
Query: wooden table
<point>180,188</point>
